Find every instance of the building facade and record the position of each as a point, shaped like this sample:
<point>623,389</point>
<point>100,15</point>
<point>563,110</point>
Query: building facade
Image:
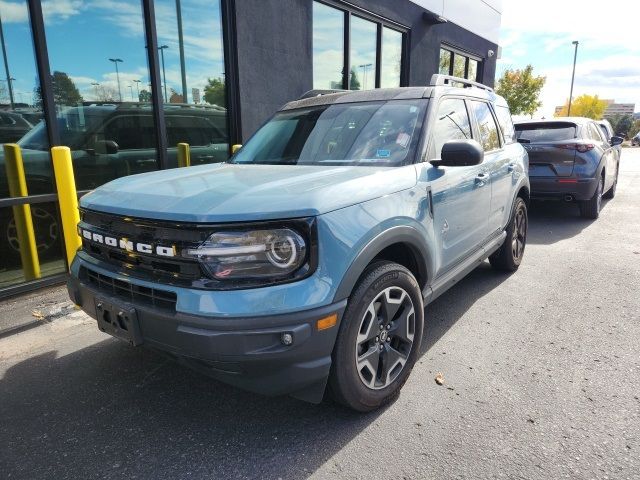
<point>122,83</point>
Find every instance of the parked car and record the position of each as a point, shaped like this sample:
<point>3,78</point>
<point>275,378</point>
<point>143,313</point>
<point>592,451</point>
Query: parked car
<point>571,160</point>
<point>635,141</point>
<point>309,256</point>
<point>13,127</point>
<point>107,141</point>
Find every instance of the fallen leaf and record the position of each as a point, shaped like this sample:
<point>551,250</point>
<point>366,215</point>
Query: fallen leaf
<point>38,314</point>
<point>439,378</point>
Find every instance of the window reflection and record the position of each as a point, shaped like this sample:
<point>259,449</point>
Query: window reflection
<point>391,62</point>
<point>445,62</point>
<point>462,66</point>
<point>193,78</point>
<point>452,123</point>
<point>328,46</point>
<point>363,54</point>
<point>459,66</point>
<point>472,73</point>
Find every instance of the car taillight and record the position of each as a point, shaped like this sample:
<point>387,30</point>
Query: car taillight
<point>579,147</point>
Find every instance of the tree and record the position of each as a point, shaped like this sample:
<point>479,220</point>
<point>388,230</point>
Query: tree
<point>214,92</point>
<point>621,123</point>
<point>589,106</point>
<point>354,83</point>
<point>521,89</point>
<point>105,93</point>
<point>144,96</point>
<point>634,129</point>
<point>65,91</point>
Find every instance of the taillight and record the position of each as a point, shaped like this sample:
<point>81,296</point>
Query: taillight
<point>579,147</point>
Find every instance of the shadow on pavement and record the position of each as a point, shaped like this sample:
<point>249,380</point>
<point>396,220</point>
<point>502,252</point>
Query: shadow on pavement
<point>110,410</point>
<point>551,222</point>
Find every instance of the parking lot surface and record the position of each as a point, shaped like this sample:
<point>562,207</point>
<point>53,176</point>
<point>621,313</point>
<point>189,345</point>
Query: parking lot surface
<point>541,380</point>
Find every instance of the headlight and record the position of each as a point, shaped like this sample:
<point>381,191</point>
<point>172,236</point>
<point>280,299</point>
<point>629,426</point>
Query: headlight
<point>256,254</point>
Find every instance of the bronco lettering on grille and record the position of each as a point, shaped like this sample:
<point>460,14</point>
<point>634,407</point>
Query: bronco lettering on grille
<point>128,245</point>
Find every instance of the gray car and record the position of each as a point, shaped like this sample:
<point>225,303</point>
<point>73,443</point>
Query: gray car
<point>570,159</point>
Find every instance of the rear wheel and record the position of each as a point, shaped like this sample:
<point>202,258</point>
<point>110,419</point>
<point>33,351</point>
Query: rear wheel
<point>611,193</point>
<point>591,208</point>
<point>509,256</point>
<point>379,338</point>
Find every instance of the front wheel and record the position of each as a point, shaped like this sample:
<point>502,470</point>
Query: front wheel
<point>509,256</point>
<point>379,338</point>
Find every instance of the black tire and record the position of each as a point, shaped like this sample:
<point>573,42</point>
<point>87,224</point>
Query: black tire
<point>381,281</point>
<point>611,193</point>
<point>591,208</point>
<point>509,256</point>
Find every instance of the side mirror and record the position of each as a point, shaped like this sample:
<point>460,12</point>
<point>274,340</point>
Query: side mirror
<point>460,153</point>
<point>235,148</point>
<point>615,141</point>
<point>108,147</point>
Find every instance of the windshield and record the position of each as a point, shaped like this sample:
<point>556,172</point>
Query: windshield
<point>73,125</point>
<point>545,132</point>
<point>365,134</point>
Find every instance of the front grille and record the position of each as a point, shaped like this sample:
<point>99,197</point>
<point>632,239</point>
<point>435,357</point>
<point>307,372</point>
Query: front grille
<point>162,299</point>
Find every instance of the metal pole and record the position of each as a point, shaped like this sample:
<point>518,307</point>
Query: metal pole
<point>573,76</point>
<point>183,71</point>
<point>138,88</point>
<point>118,78</point>
<point>164,75</point>
<point>6,65</point>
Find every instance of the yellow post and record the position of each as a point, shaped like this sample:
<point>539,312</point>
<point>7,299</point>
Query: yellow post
<point>22,213</point>
<point>184,155</point>
<point>68,198</point>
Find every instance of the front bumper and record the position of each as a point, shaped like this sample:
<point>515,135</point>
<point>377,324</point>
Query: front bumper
<point>554,188</point>
<point>245,352</point>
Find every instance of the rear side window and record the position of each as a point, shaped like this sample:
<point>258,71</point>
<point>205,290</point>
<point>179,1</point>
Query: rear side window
<point>452,123</point>
<point>594,133</point>
<point>506,124</point>
<point>545,132</point>
<point>489,137</point>
<point>604,131</point>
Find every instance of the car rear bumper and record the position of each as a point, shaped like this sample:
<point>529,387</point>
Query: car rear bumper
<point>554,188</point>
<point>245,352</point>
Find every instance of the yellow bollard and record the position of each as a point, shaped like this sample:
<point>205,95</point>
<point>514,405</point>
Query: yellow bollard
<point>184,155</point>
<point>68,198</point>
<point>22,213</point>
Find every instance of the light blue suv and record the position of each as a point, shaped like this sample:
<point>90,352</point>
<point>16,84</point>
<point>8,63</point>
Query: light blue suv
<point>305,262</point>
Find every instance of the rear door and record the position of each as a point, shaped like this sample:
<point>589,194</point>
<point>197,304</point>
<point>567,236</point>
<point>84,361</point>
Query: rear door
<point>551,147</point>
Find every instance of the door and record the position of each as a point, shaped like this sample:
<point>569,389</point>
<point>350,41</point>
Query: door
<point>497,162</point>
<point>461,196</point>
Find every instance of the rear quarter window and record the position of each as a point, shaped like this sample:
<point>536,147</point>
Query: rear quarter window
<point>545,132</point>
<point>506,124</point>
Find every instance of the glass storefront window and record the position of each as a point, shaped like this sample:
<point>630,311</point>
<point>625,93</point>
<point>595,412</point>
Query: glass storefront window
<point>363,54</point>
<point>445,62</point>
<point>462,66</point>
<point>472,72</point>
<point>328,46</point>
<point>459,66</point>
<point>101,90</point>
<point>391,61</point>
<point>193,78</point>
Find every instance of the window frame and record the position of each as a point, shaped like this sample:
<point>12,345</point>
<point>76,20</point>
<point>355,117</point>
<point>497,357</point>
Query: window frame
<point>467,56</point>
<point>501,143</point>
<point>381,22</point>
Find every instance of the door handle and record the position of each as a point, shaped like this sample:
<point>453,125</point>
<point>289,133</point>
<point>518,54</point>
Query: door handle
<point>481,179</point>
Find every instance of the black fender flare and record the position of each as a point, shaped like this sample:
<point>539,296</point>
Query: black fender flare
<point>398,234</point>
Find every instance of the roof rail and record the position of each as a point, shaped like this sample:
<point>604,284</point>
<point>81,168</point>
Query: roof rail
<point>319,93</point>
<point>438,80</point>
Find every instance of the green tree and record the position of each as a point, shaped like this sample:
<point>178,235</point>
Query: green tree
<point>214,92</point>
<point>589,106</point>
<point>65,91</point>
<point>144,96</point>
<point>354,83</point>
<point>521,89</point>
<point>621,123</point>
<point>634,129</point>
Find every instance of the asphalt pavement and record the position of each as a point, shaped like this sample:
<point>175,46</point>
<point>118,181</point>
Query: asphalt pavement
<point>541,381</point>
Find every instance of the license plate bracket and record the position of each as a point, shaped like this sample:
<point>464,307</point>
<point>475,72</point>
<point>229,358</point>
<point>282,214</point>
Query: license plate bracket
<point>119,320</point>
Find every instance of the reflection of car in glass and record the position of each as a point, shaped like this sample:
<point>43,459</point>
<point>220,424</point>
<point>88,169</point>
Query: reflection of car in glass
<point>13,127</point>
<point>607,130</point>
<point>308,257</point>
<point>107,142</point>
<point>635,141</point>
<point>571,159</point>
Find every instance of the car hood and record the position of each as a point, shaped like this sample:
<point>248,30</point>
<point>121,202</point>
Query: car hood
<point>236,193</point>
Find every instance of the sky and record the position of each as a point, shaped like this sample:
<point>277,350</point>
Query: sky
<point>540,33</point>
<point>83,34</point>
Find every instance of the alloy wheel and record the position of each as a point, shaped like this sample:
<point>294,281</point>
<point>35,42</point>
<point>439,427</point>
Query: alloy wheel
<point>385,338</point>
<point>519,235</point>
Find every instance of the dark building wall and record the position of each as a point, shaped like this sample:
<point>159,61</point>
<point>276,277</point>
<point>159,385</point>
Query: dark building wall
<point>274,44</point>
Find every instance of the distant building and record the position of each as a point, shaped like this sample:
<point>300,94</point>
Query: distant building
<point>613,109</point>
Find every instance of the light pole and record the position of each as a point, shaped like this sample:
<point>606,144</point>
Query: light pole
<point>181,50</point>
<point>138,88</point>
<point>6,65</point>
<point>164,75</point>
<point>96,85</point>
<point>364,68</point>
<point>116,61</point>
<point>573,76</point>
<point>131,90</point>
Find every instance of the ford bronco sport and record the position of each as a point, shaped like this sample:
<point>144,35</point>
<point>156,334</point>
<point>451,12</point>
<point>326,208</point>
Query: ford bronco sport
<point>303,264</point>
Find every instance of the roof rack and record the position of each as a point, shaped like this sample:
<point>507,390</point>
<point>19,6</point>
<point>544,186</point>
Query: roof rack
<point>319,93</point>
<point>438,80</point>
